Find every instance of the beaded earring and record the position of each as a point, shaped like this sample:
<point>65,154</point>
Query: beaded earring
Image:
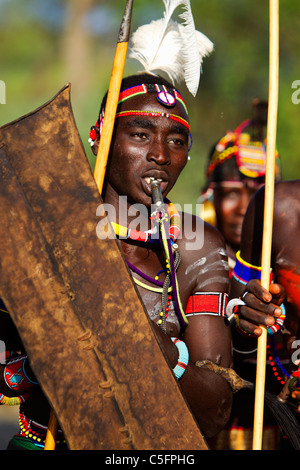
<point>93,135</point>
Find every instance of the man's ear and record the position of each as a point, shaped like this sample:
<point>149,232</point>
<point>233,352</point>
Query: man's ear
<point>96,146</point>
<point>94,139</point>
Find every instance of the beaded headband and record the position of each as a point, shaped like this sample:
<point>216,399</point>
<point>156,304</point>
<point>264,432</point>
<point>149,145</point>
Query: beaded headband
<point>165,95</point>
<point>250,155</point>
<point>174,117</point>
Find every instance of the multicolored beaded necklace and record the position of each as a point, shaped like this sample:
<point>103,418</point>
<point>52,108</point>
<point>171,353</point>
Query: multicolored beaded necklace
<point>36,433</point>
<point>166,234</point>
<point>152,235</point>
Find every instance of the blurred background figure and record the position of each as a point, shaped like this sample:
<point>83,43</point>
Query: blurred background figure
<point>235,171</point>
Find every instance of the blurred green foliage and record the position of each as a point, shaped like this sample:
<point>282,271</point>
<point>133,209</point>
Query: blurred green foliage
<point>41,51</point>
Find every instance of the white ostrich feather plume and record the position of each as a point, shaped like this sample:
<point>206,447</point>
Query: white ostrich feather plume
<point>174,48</point>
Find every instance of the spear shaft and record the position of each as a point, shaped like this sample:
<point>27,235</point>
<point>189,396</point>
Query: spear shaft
<point>51,432</point>
<point>112,97</point>
<point>268,214</point>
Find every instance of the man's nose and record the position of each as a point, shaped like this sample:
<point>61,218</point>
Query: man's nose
<point>159,153</point>
<point>244,202</point>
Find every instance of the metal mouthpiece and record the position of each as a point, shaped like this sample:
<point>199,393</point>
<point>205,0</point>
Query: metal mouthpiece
<point>157,196</point>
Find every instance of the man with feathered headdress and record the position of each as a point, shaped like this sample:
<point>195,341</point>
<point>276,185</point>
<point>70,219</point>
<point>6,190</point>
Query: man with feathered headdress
<point>179,265</point>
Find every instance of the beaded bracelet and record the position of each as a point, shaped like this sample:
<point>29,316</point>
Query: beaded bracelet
<point>183,358</point>
<point>243,271</point>
<point>271,330</point>
<point>239,328</point>
<point>231,309</point>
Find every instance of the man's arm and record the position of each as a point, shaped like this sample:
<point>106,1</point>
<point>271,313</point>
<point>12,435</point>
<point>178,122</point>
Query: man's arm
<point>14,363</point>
<point>262,305</point>
<point>207,336</point>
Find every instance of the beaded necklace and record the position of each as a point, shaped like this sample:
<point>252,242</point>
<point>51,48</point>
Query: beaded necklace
<point>279,371</point>
<point>36,433</point>
<point>167,233</point>
<point>152,235</point>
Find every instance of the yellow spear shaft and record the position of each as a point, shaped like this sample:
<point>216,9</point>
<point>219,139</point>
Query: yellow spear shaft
<point>103,151</point>
<point>268,214</point>
<point>112,97</point>
<point>51,432</point>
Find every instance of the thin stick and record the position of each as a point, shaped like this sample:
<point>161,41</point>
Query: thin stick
<point>268,214</point>
<point>112,97</point>
<point>51,432</point>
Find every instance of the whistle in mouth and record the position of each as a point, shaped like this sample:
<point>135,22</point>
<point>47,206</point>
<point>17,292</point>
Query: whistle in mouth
<point>157,196</point>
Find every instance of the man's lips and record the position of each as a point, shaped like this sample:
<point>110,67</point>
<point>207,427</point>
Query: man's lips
<point>236,229</point>
<point>148,179</point>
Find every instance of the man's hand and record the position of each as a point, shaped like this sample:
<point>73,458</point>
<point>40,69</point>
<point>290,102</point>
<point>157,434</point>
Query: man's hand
<point>262,306</point>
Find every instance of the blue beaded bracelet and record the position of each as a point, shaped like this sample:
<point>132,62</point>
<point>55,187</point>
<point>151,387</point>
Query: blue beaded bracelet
<point>244,271</point>
<point>183,358</point>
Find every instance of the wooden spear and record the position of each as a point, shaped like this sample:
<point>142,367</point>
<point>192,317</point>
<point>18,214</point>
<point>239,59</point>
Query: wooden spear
<point>103,151</point>
<point>268,214</point>
<point>51,432</point>
<point>112,97</point>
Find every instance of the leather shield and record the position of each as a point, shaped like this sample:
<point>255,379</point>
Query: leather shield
<point>72,299</point>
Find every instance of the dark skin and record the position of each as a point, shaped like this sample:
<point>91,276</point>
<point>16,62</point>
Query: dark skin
<point>158,146</point>
<point>235,206</point>
<point>285,261</point>
<point>285,256</point>
<point>147,146</point>
<point>231,199</point>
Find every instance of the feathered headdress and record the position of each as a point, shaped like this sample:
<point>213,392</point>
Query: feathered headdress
<point>177,49</point>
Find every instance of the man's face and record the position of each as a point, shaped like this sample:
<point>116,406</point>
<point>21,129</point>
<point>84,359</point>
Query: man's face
<point>231,199</point>
<point>146,146</point>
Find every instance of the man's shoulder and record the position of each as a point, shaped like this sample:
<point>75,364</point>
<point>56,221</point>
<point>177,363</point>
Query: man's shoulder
<point>192,222</point>
<point>198,234</point>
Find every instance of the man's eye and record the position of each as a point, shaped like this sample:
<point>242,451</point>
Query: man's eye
<point>176,141</point>
<point>232,195</point>
<point>139,135</point>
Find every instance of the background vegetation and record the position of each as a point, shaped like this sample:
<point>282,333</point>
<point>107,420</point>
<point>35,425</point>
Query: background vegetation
<point>47,43</point>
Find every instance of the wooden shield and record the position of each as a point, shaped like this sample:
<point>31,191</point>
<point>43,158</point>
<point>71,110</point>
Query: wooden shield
<point>72,299</point>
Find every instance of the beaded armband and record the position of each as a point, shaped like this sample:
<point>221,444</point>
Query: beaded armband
<point>243,272</point>
<point>207,303</point>
<point>17,375</point>
<point>14,401</point>
<point>183,358</point>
